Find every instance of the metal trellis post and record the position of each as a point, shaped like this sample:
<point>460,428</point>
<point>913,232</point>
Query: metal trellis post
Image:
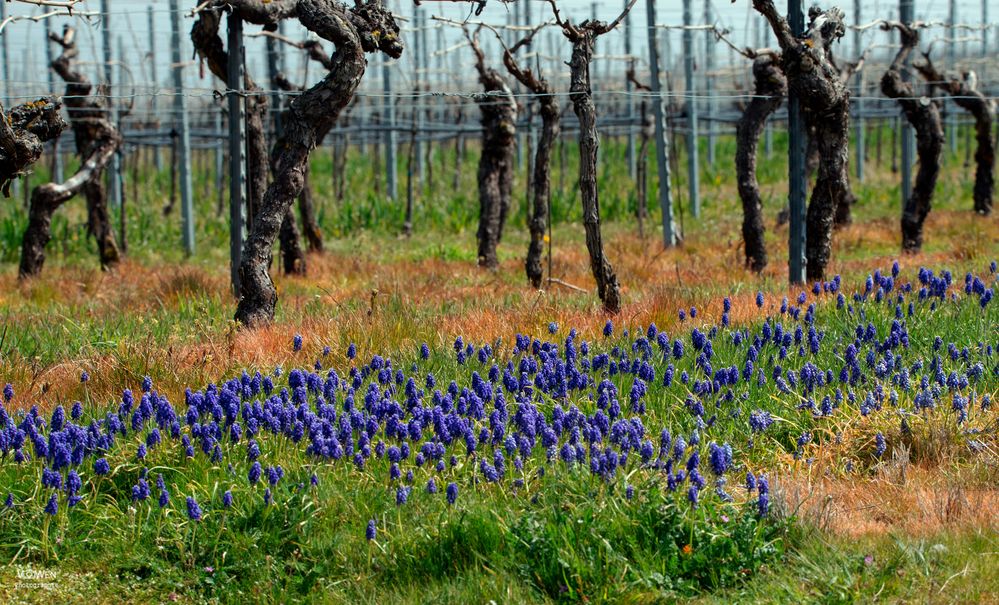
<point>5,57</point>
<point>114,172</point>
<point>154,102</point>
<point>219,159</point>
<point>952,61</point>
<point>57,175</point>
<point>237,149</point>
<point>122,158</point>
<point>796,164</point>
<point>762,35</point>
<point>632,162</point>
<point>391,168</point>
<point>859,102</point>
<point>419,39</point>
<point>662,133</point>
<point>180,109</point>
<point>709,67</point>
<point>693,172</point>
<point>985,28</point>
<point>513,19</point>
<point>529,121</point>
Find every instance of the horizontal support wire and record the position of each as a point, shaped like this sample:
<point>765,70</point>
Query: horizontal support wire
<point>365,114</point>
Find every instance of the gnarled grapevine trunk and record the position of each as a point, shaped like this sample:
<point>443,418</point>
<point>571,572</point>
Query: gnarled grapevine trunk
<point>844,208</point>
<point>582,37</point>
<point>842,215</point>
<point>975,103</point>
<point>24,130</point>
<point>825,102</point>
<point>291,250</point>
<point>770,89</point>
<point>289,242</point>
<point>495,175</point>
<point>589,142</point>
<point>812,158</point>
<point>924,116</point>
<point>641,165</point>
<point>354,31</point>
<point>307,208</point>
<point>541,183</point>
<point>97,140</point>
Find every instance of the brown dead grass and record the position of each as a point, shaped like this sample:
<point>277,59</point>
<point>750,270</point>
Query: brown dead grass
<point>926,502</point>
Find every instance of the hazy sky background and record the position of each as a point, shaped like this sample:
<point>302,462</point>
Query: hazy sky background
<point>129,22</point>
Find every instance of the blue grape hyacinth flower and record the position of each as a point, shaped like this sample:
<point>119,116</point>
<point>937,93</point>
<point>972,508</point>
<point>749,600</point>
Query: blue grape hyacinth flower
<point>101,467</point>
<point>53,505</point>
<point>193,510</point>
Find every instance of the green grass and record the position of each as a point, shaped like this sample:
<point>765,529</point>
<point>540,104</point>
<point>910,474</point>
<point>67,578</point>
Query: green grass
<point>443,211</point>
<point>950,567</point>
<point>563,536</point>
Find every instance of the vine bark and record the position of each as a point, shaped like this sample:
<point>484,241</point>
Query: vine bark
<point>24,130</point>
<point>97,140</point>
<point>541,183</point>
<point>924,116</point>
<point>495,174</point>
<point>770,88</point>
<point>354,31</point>
<point>974,102</point>
<point>582,38</point>
<point>825,102</point>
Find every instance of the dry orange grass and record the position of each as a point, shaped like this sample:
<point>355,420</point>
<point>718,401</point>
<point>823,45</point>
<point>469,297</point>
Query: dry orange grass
<point>925,502</point>
<point>927,481</point>
<point>429,299</point>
